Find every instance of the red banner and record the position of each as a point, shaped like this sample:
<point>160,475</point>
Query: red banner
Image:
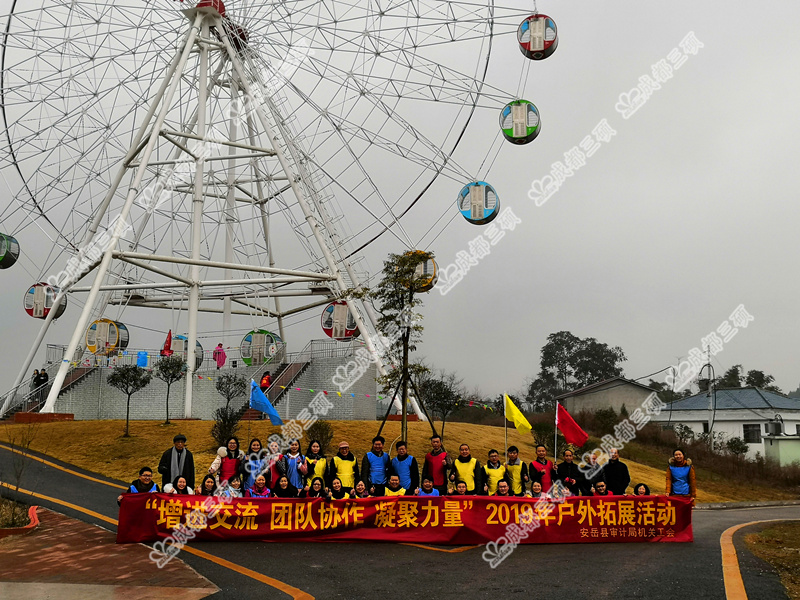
<point>449,520</point>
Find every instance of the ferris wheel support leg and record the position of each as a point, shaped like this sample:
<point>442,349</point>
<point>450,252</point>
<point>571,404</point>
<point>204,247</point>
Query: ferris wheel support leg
<point>197,222</point>
<point>165,102</point>
<point>93,227</point>
<point>300,196</point>
<point>229,209</point>
<point>265,222</point>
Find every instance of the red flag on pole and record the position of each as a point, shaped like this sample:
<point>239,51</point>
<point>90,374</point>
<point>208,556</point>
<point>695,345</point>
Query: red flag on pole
<point>571,430</point>
<point>167,349</point>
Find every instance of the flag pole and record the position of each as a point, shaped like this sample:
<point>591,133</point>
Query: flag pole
<point>505,424</point>
<point>555,441</point>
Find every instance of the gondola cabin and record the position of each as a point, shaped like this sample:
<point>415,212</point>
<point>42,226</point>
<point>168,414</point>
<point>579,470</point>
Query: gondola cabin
<point>338,323</point>
<point>9,251</point>
<point>259,347</point>
<point>426,274</point>
<point>478,203</point>
<point>538,37</point>
<point>179,347</point>
<point>104,337</point>
<point>39,300</point>
<point>519,122</point>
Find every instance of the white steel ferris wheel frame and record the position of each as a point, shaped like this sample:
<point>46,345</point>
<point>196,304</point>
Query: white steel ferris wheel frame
<point>266,115</point>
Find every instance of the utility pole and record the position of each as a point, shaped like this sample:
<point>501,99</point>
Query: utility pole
<point>711,394</point>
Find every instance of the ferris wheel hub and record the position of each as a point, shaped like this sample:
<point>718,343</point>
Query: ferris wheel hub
<point>216,5</point>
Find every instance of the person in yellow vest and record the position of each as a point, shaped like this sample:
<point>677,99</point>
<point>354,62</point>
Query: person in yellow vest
<point>317,463</point>
<point>467,469</point>
<point>344,467</point>
<point>493,472</point>
<point>516,472</point>
<point>394,489</point>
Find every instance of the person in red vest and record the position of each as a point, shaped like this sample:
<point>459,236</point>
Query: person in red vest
<point>229,462</point>
<point>435,465</point>
<point>542,470</point>
<point>266,382</point>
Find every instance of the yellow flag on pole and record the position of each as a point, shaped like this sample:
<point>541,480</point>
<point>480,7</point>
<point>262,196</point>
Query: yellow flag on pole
<point>515,415</point>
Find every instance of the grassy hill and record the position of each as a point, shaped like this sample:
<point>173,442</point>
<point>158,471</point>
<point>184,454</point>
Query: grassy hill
<point>99,446</point>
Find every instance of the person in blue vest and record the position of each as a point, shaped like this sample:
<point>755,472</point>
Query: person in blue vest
<point>294,465</point>
<point>375,467</point>
<point>427,488</point>
<point>142,485</point>
<point>406,468</point>
<point>680,476</point>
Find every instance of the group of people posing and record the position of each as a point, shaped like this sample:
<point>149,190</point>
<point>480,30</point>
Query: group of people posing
<point>267,473</point>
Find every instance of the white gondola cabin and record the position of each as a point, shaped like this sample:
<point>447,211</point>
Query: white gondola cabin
<point>9,251</point>
<point>538,37</point>
<point>478,203</point>
<point>519,122</point>
<point>338,323</point>
<point>105,337</point>
<point>179,347</point>
<point>259,346</point>
<point>39,300</point>
<point>426,273</point>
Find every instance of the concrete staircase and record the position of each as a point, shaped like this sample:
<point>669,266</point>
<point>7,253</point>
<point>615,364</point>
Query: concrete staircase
<point>284,377</point>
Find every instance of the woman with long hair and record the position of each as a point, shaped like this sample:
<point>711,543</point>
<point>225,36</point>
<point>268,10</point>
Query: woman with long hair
<point>284,489</point>
<point>228,462</point>
<point>179,486</point>
<point>317,463</point>
<point>360,491</point>
<point>208,487</point>
<point>337,492</point>
<point>315,490</point>
<point>254,463</point>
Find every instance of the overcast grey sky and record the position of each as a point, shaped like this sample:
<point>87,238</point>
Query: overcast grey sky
<point>689,211</point>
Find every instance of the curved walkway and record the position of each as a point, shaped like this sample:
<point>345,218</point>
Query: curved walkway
<point>365,570</point>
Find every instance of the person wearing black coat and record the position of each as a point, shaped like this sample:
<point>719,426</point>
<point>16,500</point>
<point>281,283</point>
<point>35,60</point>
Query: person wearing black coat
<point>597,475</point>
<point>617,476</point>
<point>177,461</point>
<point>570,475</point>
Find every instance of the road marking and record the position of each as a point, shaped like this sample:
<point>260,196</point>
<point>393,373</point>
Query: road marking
<point>295,593</point>
<point>449,551</point>
<point>732,575</point>
<point>91,513</point>
<point>60,468</point>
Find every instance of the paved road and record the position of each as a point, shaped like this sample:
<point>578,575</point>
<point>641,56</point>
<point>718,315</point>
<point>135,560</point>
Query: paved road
<point>389,571</point>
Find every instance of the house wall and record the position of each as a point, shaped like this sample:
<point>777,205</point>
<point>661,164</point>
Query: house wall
<point>731,423</point>
<point>783,449</point>
<point>615,396</point>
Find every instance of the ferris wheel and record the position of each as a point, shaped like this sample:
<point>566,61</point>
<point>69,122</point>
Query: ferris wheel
<point>245,157</point>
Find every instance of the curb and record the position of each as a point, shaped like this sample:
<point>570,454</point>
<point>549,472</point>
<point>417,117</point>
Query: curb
<point>734,505</point>
<point>22,530</point>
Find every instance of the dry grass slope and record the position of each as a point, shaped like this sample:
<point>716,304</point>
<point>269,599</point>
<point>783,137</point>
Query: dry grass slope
<point>779,545</point>
<point>99,446</point>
